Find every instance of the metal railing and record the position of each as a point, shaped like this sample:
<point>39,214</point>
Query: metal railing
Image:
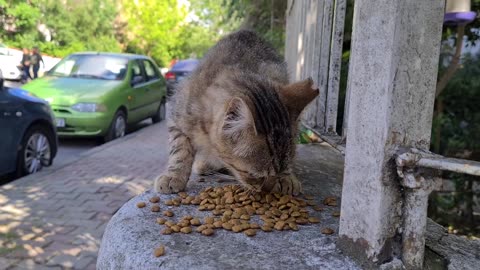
<point>419,172</point>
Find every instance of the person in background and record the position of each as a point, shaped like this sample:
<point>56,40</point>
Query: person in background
<point>26,65</point>
<point>35,60</point>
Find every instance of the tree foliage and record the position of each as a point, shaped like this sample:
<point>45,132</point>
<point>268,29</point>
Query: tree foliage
<point>162,29</point>
<point>59,27</point>
<point>153,27</point>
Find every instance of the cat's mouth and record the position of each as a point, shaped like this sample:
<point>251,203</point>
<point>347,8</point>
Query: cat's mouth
<point>260,184</point>
<point>253,182</point>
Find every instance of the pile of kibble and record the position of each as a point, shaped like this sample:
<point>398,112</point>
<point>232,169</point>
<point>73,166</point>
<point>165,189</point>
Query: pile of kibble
<point>233,208</point>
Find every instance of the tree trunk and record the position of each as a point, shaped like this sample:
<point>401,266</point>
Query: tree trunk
<point>454,65</point>
<point>438,130</point>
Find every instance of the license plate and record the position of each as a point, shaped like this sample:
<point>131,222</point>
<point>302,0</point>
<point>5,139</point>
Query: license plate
<point>60,122</point>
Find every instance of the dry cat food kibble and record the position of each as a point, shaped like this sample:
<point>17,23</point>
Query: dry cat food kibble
<point>141,204</point>
<point>161,221</point>
<point>266,228</point>
<point>336,214</point>
<point>237,228</point>
<point>313,220</point>
<point>186,230</point>
<point>155,208</point>
<point>168,213</point>
<point>330,201</point>
<point>209,220</point>
<point>237,210</point>
<point>207,232</point>
<point>250,232</point>
<point>195,222</point>
<point>308,197</point>
<point>327,231</point>
<point>176,228</point>
<point>155,199</point>
<point>159,251</point>
<point>167,231</point>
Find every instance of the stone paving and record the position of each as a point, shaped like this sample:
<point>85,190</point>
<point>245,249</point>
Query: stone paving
<point>56,220</point>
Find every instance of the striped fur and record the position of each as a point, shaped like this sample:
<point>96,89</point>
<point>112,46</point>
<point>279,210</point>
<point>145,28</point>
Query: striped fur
<point>237,111</point>
<point>271,119</point>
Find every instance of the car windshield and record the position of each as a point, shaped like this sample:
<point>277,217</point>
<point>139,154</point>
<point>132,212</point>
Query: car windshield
<point>102,67</point>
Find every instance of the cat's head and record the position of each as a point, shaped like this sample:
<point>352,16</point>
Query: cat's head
<point>256,137</point>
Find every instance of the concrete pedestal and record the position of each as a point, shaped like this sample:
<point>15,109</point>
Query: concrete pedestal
<point>132,234</point>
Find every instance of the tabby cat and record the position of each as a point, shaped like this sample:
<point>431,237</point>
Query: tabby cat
<point>237,111</point>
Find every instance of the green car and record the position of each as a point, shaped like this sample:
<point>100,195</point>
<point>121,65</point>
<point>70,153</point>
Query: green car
<point>99,94</point>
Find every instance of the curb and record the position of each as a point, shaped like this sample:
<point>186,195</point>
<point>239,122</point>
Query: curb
<point>89,153</point>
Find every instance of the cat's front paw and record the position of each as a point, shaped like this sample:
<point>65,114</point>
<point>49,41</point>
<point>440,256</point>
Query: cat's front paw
<point>288,185</point>
<point>169,184</point>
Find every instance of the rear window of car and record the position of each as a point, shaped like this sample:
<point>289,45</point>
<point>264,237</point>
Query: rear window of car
<point>185,65</point>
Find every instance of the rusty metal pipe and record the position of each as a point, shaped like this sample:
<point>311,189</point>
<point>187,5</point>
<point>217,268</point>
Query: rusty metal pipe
<point>412,157</point>
<point>450,164</point>
<point>414,226</point>
<point>418,182</point>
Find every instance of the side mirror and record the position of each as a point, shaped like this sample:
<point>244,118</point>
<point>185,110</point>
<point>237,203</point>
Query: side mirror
<point>136,80</point>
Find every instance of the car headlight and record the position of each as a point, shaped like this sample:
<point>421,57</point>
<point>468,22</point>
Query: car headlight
<point>89,107</point>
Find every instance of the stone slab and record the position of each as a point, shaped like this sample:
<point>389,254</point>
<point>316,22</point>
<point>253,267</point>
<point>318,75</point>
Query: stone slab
<point>132,234</point>
<point>457,252</point>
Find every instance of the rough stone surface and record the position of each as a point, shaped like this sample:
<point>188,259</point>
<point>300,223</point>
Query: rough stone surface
<point>392,78</point>
<point>6,263</point>
<point>456,251</point>
<point>132,234</point>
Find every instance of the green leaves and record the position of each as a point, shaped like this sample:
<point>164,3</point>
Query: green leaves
<point>70,25</point>
<point>162,29</point>
<point>153,27</point>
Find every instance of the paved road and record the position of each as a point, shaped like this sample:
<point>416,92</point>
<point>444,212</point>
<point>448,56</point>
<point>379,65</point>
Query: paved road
<point>12,83</point>
<point>70,149</point>
<point>56,221</point>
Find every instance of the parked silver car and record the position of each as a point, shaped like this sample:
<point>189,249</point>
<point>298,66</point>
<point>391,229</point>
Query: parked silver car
<point>9,64</point>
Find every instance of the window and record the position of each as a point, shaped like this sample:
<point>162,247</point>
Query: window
<point>88,66</point>
<point>137,72</point>
<point>150,70</point>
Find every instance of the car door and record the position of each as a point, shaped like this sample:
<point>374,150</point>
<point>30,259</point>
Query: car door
<point>156,86</point>
<point>137,97</point>
<point>10,129</point>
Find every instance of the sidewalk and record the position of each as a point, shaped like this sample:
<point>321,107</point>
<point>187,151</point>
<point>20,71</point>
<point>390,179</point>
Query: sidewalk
<point>56,220</point>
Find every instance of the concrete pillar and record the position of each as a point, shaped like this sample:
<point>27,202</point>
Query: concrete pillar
<point>393,73</point>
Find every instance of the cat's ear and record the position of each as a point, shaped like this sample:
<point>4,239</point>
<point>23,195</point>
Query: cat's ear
<point>297,96</point>
<point>238,118</point>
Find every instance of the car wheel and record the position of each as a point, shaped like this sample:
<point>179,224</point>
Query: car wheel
<point>161,112</point>
<point>118,127</point>
<point>36,150</point>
